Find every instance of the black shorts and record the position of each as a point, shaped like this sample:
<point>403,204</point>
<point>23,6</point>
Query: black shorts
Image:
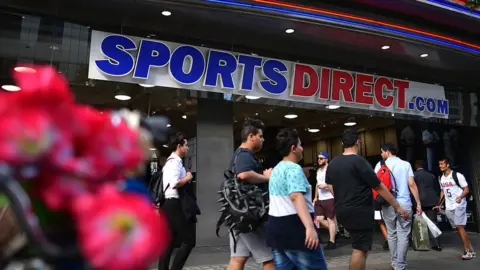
<point>361,239</point>
<point>325,208</point>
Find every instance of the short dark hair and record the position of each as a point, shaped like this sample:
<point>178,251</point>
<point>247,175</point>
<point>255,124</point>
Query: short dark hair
<point>388,146</point>
<point>446,159</point>
<point>420,163</point>
<point>178,139</point>
<point>251,126</point>
<point>349,137</point>
<point>286,138</point>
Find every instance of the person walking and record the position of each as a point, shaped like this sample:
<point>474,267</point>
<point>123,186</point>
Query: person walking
<point>398,227</point>
<point>324,203</point>
<point>429,192</point>
<point>249,170</point>
<point>351,179</point>
<point>182,228</point>
<point>291,230</point>
<point>454,191</point>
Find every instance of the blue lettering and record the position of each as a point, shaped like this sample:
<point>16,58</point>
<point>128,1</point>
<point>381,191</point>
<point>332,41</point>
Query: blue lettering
<point>430,105</point>
<point>276,82</point>
<point>420,104</point>
<point>119,62</point>
<point>196,64</point>
<point>223,64</point>
<point>151,54</point>
<point>442,106</point>
<point>250,63</point>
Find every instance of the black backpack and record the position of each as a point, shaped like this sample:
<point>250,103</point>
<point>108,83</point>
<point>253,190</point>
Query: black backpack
<point>244,206</point>
<point>469,196</point>
<point>157,192</point>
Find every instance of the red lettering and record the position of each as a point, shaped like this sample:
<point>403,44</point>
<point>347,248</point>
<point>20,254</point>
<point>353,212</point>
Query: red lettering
<point>342,81</point>
<point>325,83</point>
<point>384,100</point>
<point>361,89</point>
<point>401,87</point>
<point>305,81</point>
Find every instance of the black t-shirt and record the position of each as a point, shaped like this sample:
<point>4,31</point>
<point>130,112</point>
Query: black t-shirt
<point>246,161</point>
<point>352,179</point>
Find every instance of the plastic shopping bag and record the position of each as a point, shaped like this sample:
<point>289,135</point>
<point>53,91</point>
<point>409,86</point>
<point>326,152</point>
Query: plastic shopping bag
<point>420,239</point>
<point>434,230</point>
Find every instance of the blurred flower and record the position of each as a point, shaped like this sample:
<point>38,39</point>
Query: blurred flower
<point>120,230</point>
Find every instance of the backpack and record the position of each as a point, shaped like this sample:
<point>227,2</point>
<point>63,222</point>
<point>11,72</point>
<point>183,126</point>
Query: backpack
<point>469,196</point>
<point>385,176</point>
<point>244,207</point>
<point>157,192</point>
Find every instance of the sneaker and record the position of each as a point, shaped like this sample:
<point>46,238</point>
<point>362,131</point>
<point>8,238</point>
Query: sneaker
<point>330,246</point>
<point>385,245</point>
<point>474,254</point>
<point>468,255</point>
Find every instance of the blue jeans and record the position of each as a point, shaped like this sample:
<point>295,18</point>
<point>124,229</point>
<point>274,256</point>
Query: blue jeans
<point>299,259</point>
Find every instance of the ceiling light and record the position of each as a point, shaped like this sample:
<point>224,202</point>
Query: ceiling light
<point>166,13</point>
<point>122,97</point>
<point>256,113</point>
<point>166,146</point>
<point>291,116</point>
<point>333,107</point>
<point>386,47</point>
<point>24,69</point>
<point>423,55</point>
<point>313,130</point>
<point>146,85</point>
<point>153,149</point>
<point>168,125</point>
<point>184,116</point>
<point>251,97</point>
<point>393,114</point>
<point>350,122</point>
<point>289,31</point>
<point>11,88</point>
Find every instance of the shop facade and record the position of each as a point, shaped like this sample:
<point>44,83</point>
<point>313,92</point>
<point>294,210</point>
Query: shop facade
<point>107,59</point>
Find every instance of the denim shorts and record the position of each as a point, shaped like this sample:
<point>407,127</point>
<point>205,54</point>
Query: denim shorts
<point>299,259</point>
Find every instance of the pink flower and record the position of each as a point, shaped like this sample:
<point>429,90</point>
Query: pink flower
<point>120,230</point>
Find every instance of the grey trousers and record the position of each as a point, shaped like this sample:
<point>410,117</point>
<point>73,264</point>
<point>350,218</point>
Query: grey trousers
<point>398,234</point>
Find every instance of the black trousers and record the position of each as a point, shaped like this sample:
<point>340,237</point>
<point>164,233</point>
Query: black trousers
<point>183,236</point>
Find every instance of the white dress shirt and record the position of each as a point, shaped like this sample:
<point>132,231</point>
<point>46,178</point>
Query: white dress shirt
<point>172,172</point>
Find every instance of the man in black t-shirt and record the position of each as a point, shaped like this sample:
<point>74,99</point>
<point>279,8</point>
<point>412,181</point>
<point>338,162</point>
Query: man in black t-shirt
<point>248,169</point>
<point>351,179</point>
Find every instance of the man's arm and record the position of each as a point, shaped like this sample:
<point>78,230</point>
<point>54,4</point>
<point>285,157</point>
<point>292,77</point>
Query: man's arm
<point>183,181</point>
<point>330,188</point>
<point>252,177</point>
<point>385,193</point>
<point>414,190</point>
<point>316,193</point>
<point>464,185</point>
<point>441,200</point>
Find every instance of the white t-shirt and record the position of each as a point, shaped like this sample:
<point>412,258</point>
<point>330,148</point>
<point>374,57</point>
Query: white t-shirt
<point>172,172</point>
<point>451,191</point>
<point>323,194</point>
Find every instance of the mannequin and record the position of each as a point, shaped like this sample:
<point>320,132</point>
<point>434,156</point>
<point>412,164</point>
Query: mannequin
<point>450,140</point>
<point>408,141</point>
<point>430,138</point>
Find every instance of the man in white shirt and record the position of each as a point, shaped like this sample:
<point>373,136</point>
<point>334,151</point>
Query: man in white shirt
<point>454,193</point>
<point>324,202</point>
<point>182,229</point>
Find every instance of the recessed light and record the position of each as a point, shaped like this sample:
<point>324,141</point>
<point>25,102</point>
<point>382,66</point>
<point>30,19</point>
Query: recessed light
<point>146,85</point>
<point>168,125</point>
<point>256,113</point>
<point>350,122</point>
<point>291,116</point>
<point>166,13</point>
<point>313,130</point>
<point>289,31</point>
<point>153,149</point>
<point>423,55</point>
<point>11,88</point>
<point>184,116</point>
<point>123,97</point>
<point>251,97</point>
<point>24,69</point>
<point>333,107</point>
<point>166,146</point>
<point>385,47</point>
<point>393,114</point>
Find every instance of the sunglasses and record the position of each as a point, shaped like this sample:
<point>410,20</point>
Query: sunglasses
<point>321,158</point>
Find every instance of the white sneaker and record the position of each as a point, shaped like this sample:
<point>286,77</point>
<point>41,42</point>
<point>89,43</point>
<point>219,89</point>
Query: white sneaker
<point>468,255</point>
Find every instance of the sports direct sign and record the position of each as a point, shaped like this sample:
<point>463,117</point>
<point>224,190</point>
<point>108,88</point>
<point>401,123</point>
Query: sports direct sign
<point>130,59</point>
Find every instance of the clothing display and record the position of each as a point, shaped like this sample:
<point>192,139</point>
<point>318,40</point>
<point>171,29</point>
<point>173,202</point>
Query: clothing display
<point>450,143</point>
<point>408,141</point>
<point>430,138</point>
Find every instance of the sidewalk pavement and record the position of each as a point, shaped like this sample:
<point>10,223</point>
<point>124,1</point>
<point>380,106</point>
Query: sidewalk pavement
<point>203,258</point>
